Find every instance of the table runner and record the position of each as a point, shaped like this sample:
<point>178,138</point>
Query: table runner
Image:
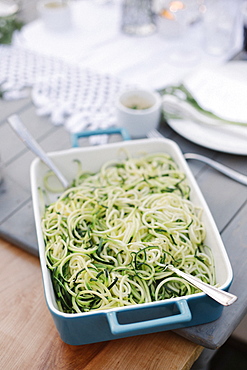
<point>77,97</point>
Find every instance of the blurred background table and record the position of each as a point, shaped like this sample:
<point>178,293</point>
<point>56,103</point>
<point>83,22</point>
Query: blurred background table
<point>95,41</point>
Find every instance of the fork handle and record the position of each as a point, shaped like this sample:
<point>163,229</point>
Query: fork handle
<point>19,128</point>
<point>237,176</point>
<point>222,297</point>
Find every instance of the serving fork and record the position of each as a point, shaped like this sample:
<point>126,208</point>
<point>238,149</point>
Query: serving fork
<point>227,171</point>
<point>19,128</point>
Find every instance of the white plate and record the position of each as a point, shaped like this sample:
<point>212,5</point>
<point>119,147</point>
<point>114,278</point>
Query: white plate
<point>222,90</point>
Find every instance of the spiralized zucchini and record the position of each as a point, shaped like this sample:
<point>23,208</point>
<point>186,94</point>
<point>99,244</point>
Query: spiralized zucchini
<point>110,237</point>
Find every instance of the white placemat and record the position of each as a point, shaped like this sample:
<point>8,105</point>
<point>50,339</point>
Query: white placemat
<point>95,40</point>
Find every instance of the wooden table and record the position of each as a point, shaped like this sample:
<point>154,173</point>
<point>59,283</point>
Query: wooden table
<point>29,339</point>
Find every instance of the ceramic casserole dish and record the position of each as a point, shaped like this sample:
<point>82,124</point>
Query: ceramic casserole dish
<point>173,313</point>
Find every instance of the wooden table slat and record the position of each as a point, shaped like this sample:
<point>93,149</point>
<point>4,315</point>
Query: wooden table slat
<point>29,339</point>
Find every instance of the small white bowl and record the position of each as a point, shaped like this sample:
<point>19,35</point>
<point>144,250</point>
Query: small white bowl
<point>138,111</point>
<point>55,14</point>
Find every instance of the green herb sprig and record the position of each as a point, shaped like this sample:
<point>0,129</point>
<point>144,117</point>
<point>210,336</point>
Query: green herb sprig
<point>184,95</point>
<point>8,25</point>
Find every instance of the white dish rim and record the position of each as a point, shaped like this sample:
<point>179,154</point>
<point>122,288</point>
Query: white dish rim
<point>38,169</point>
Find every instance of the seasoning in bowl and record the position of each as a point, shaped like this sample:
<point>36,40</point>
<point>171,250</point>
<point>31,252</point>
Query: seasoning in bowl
<point>138,111</point>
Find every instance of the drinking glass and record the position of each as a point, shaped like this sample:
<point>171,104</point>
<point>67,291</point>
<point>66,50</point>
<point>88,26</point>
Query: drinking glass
<point>244,13</point>
<point>177,21</point>
<point>219,25</point>
<point>138,17</point>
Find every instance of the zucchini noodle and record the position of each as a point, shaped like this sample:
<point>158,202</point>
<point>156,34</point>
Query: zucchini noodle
<point>109,238</point>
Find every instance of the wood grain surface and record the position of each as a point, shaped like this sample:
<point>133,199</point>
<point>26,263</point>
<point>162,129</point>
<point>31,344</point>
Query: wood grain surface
<point>29,339</point>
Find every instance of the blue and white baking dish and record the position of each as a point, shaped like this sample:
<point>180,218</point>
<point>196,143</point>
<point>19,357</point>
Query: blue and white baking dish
<point>174,313</point>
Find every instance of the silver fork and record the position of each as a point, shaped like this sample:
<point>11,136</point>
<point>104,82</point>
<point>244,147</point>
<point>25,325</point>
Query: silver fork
<point>227,171</point>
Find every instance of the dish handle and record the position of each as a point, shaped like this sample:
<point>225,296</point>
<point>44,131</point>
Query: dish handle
<point>109,131</point>
<point>179,313</point>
